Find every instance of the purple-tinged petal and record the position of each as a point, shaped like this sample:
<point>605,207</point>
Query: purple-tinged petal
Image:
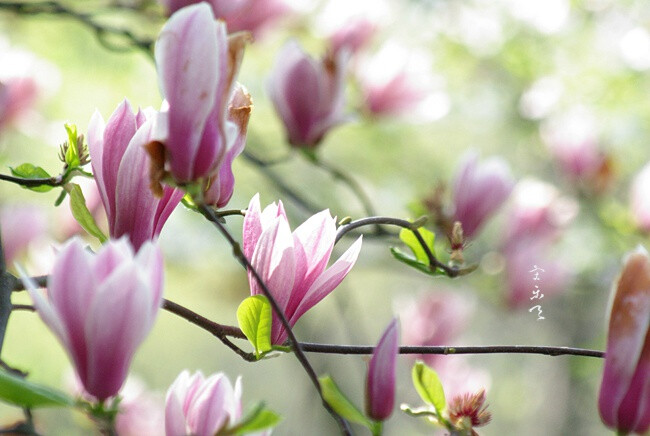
<point>252,226</point>
<point>95,137</point>
<point>208,412</point>
<point>329,280</point>
<point>623,400</point>
<point>188,55</point>
<point>274,261</point>
<point>380,384</point>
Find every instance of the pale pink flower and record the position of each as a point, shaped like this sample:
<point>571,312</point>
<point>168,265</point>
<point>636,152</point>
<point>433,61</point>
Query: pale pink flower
<point>20,224</point>
<point>293,265</point>
<point>201,406</point>
<point>380,381</point>
<point>397,81</point>
<point>101,307</point>
<point>480,189</point>
<point>121,168</point>
<point>624,400</point>
<point>197,65</point>
<point>141,412</point>
<point>352,36</point>
<point>308,110</point>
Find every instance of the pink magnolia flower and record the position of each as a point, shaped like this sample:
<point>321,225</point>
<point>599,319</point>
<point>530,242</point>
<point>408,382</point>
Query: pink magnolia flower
<point>252,15</point>
<point>293,265</point>
<point>20,225</point>
<point>201,406</point>
<point>538,216</point>
<point>353,35</point>
<point>624,401</point>
<point>399,82</point>
<point>140,410</point>
<point>479,191</point>
<point>221,185</point>
<point>310,110</point>
<point>197,65</point>
<point>101,307</point>
<point>121,167</point>
<point>380,383</point>
<point>435,318</point>
<point>640,198</point>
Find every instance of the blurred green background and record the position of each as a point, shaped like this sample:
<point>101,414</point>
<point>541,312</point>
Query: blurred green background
<point>486,56</point>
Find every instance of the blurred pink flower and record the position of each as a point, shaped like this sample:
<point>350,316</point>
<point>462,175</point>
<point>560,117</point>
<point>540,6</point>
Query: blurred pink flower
<point>536,221</point>
<point>141,411</point>
<point>380,382</point>
<point>20,225</point>
<point>17,95</point>
<point>353,35</point>
<point>293,265</point>
<point>121,168</point>
<point>101,307</point>
<point>399,82</point>
<point>624,400</point>
<point>252,15</point>
<point>434,318</point>
<point>572,139</point>
<point>640,198</point>
<point>201,406</point>
<point>197,65</point>
<point>311,109</point>
<point>479,191</point>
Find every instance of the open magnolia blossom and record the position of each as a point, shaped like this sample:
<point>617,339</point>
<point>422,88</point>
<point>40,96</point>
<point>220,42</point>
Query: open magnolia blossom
<point>624,401</point>
<point>293,265</point>
<point>197,65</point>
<point>101,307</point>
<point>121,168</point>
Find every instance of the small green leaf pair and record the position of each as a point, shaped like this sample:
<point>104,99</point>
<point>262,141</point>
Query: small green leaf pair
<point>421,260</point>
<point>344,407</point>
<point>260,418</point>
<point>429,387</point>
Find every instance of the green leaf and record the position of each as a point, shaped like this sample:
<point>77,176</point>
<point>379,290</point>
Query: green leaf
<point>60,198</point>
<point>81,213</point>
<point>23,393</point>
<point>29,171</point>
<point>254,318</point>
<point>340,404</point>
<point>428,385</point>
<point>408,237</point>
<point>72,153</point>
<point>422,412</point>
<point>424,267</point>
<point>259,418</point>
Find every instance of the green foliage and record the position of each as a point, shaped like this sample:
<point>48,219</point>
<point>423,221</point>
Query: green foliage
<point>428,385</point>
<point>259,418</point>
<point>30,171</point>
<point>81,213</point>
<point>421,261</point>
<point>254,318</point>
<point>340,404</point>
<point>23,393</point>
<point>72,158</point>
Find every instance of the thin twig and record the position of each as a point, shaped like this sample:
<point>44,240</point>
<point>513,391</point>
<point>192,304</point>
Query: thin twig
<point>27,307</point>
<point>101,30</point>
<point>33,183</point>
<point>487,349</point>
<point>374,220</point>
<point>293,341</point>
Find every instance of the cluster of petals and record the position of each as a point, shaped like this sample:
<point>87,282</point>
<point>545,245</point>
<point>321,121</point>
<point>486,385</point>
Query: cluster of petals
<point>480,189</point>
<point>101,307</point>
<point>201,406</point>
<point>308,110</point>
<point>624,399</point>
<point>20,225</point>
<point>206,115</point>
<point>293,265</point>
<point>380,381</point>
<point>121,169</point>
<point>240,15</point>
